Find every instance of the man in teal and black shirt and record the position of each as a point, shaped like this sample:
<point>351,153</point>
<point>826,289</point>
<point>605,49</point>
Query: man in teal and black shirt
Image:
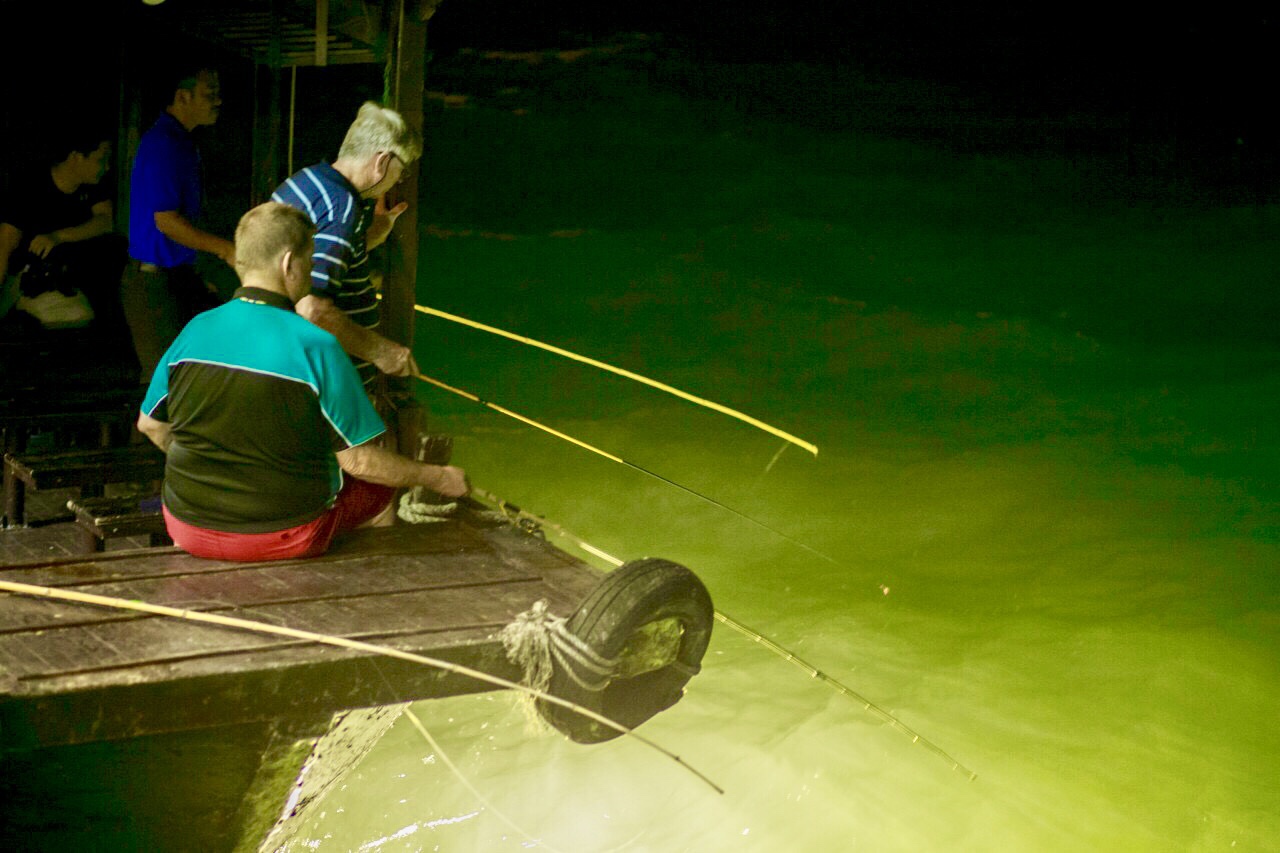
<point>344,202</point>
<point>267,430</point>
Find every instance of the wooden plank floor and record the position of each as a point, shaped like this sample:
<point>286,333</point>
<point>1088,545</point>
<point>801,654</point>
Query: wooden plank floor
<point>72,673</point>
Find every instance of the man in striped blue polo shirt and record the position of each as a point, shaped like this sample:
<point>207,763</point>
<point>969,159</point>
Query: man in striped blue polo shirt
<point>344,201</point>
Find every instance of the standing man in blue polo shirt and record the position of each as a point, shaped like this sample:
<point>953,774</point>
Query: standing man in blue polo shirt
<point>161,289</point>
<point>344,201</point>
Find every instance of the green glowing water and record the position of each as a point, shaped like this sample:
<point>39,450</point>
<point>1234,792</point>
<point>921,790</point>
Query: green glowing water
<point>1048,473</point>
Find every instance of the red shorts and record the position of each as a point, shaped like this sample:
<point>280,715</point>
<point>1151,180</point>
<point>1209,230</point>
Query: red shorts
<point>357,503</point>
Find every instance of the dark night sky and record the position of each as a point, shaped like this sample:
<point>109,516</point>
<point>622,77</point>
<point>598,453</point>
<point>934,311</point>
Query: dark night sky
<point>1216,61</point>
<point>1218,57</point>
<point>1118,49</point>
<point>1205,77</point>
<point>1208,74</point>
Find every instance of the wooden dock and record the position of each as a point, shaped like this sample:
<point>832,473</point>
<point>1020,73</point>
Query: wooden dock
<point>125,731</point>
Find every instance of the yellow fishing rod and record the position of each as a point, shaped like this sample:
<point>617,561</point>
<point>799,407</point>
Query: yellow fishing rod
<point>618,459</point>
<point>653,383</point>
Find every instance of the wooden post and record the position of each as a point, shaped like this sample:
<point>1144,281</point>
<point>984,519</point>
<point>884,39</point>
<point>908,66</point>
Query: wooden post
<point>408,72</point>
<point>322,33</point>
<point>129,133</point>
<point>350,737</point>
<point>266,119</point>
<point>289,744</point>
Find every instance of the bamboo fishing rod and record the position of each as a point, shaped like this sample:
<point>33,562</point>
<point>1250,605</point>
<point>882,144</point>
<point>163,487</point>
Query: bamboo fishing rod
<point>340,642</point>
<point>512,511</point>
<point>620,371</point>
<point>618,459</point>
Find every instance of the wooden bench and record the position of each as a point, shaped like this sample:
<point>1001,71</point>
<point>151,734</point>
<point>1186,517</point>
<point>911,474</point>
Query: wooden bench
<point>89,470</point>
<point>102,518</point>
<point>23,412</point>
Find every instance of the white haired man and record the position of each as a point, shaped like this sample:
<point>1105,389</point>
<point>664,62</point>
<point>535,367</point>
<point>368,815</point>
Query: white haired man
<point>345,202</point>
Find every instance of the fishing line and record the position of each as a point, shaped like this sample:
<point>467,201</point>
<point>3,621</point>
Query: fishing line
<point>844,690</point>
<point>755,486</point>
<point>516,513</point>
<point>340,642</point>
<point>774,460</point>
<point>653,383</point>
<point>614,458</point>
<point>466,783</point>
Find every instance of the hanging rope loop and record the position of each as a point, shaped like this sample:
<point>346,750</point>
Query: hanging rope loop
<point>415,512</point>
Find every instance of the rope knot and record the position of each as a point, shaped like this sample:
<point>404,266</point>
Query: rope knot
<point>537,641</point>
<point>415,512</point>
<point>527,641</point>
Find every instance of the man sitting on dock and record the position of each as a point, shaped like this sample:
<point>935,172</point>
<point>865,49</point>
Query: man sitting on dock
<point>261,414</point>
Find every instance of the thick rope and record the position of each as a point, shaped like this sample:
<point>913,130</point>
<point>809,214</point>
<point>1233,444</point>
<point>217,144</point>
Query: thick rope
<point>536,641</point>
<point>575,655</point>
<point>527,641</point>
<point>419,513</point>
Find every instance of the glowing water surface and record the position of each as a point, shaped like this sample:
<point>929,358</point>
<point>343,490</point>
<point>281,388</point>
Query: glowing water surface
<point>1057,548</point>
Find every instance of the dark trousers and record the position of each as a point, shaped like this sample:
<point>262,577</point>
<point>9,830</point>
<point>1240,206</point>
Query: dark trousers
<point>158,302</point>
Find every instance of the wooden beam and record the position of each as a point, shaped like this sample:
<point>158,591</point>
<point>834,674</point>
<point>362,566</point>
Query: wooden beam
<point>130,132</point>
<point>266,133</point>
<point>406,82</point>
<point>427,8</point>
<point>266,154</point>
<point>322,32</point>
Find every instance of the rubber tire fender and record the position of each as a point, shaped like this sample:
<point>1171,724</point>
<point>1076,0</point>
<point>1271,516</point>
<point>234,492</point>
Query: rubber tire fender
<point>629,597</point>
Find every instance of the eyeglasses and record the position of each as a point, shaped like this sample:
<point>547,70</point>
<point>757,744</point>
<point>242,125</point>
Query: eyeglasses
<point>404,167</point>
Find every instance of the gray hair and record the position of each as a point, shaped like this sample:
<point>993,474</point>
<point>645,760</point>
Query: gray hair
<point>378,128</point>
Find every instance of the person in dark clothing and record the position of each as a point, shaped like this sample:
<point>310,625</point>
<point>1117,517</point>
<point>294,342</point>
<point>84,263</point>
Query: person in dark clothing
<point>55,228</point>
